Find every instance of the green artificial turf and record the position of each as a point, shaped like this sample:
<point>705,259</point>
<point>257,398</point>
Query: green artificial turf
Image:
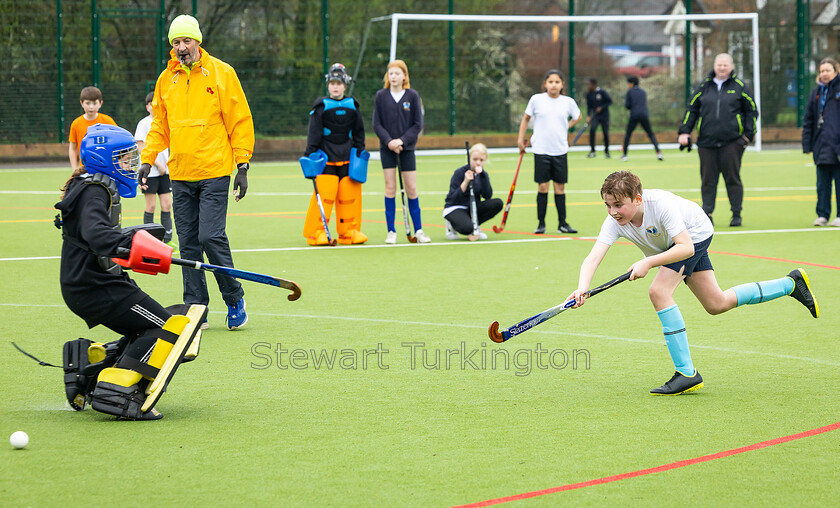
<point>375,430</point>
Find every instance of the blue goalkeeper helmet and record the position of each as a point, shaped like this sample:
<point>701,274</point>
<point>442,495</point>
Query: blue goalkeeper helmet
<point>111,150</point>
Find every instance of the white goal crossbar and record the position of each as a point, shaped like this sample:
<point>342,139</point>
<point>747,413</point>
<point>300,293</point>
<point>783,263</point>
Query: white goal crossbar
<point>751,16</point>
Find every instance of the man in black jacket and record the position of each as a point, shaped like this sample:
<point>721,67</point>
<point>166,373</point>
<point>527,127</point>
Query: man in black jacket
<point>598,113</point>
<point>636,102</point>
<point>728,116</point>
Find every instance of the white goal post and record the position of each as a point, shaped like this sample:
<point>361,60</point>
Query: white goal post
<point>750,16</point>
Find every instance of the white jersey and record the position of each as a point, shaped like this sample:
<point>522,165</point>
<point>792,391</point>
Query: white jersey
<point>551,122</point>
<point>140,133</point>
<point>665,216</point>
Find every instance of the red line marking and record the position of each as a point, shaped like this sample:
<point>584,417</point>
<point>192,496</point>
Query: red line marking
<point>766,258</point>
<point>658,469</point>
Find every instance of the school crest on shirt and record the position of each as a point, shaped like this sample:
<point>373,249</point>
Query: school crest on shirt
<point>406,106</point>
<point>652,231</point>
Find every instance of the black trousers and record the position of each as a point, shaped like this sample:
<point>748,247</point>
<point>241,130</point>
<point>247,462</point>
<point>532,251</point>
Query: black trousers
<point>605,127</point>
<point>133,320</point>
<point>487,209</point>
<point>200,218</point>
<point>725,161</point>
<point>631,126</point>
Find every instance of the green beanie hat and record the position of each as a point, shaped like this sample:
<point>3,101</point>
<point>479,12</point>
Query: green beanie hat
<point>184,26</point>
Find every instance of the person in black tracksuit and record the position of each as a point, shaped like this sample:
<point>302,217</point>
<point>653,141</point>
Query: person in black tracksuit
<point>91,232</point>
<point>821,135</point>
<point>457,207</point>
<point>598,113</point>
<point>728,116</point>
<point>636,102</point>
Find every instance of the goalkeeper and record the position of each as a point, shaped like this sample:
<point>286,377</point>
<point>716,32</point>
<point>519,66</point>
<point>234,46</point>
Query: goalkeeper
<point>113,377</point>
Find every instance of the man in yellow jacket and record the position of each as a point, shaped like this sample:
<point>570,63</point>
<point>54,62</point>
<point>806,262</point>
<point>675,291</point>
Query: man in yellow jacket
<point>202,116</point>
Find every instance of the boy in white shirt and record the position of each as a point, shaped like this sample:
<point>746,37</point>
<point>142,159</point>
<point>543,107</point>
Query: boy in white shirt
<point>158,183</point>
<point>674,234</point>
<point>552,113</point>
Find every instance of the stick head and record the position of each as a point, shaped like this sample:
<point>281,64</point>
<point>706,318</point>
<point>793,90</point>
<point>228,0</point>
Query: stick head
<point>333,242</point>
<point>412,239</point>
<point>295,294</point>
<point>494,333</point>
<point>497,229</point>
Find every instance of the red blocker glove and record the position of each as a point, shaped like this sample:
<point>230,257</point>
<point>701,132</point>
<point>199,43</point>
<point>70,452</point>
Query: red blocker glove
<point>148,255</point>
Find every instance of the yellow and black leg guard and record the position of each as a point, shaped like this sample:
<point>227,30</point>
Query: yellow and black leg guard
<point>83,361</point>
<point>131,388</point>
<point>348,212</point>
<point>313,228</point>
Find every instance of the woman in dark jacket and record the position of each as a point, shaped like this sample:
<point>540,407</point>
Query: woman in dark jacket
<point>821,136</point>
<point>456,211</point>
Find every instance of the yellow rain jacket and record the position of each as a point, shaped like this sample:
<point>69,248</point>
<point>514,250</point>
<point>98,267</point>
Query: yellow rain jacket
<point>203,117</point>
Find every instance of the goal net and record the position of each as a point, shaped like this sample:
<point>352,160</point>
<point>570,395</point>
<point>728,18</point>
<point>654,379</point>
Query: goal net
<point>476,73</point>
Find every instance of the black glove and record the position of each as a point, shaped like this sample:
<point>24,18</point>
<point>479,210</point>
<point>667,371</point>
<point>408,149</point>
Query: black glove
<point>686,147</point>
<point>240,181</point>
<point>143,173</point>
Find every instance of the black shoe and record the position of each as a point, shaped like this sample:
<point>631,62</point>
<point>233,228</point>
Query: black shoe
<point>680,384</point>
<point>591,155</point>
<point>565,228</point>
<point>540,229</point>
<point>735,222</point>
<point>607,155</point>
<point>802,291</point>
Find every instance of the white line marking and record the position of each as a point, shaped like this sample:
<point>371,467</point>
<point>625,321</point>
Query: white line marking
<point>551,238</point>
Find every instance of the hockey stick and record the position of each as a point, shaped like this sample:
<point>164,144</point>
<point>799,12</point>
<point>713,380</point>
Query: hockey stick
<point>500,228</point>
<point>408,235</point>
<point>332,241</point>
<point>473,208</point>
<point>154,261</point>
<point>579,134</point>
<point>242,274</point>
<point>527,324</point>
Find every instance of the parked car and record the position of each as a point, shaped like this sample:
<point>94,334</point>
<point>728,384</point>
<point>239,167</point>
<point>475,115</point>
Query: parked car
<point>643,63</point>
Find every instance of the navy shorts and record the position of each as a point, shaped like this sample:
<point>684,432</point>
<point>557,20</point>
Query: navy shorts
<point>158,185</point>
<point>550,167</point>
<point>698,262</point>
<point>389,159</point>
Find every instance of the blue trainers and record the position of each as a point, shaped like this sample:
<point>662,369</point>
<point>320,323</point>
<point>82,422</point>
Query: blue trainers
<point>236,317</point>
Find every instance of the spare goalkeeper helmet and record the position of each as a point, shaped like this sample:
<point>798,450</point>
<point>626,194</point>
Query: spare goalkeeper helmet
<point>111,150</point>
<point>338,73</point>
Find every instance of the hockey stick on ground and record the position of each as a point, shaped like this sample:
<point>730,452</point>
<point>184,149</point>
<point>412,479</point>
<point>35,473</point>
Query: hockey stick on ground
<point>579,134</point>
<point>332,241</point>
<point>522,326</point>
<point>500,228</point>
<point>471,190</point>
<point>408,235</point>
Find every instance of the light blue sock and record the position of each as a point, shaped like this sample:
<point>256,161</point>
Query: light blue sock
<point>414,210</point>
<point>390,212</point>
<point>760,292</point>
<point>673,327</point>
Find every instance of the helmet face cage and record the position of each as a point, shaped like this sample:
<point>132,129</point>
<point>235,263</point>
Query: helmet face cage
<point>126,161</point>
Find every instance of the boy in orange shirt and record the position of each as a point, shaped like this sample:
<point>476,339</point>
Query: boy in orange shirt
<point>91,101</point>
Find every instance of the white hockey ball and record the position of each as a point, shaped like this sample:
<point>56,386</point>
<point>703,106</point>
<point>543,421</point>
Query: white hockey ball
<point>19,439</point>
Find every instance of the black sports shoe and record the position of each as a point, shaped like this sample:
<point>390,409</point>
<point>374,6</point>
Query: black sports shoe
<point>540,229</point>
<point>802,291</point>
<point>591,155</point>
<point>680,384</point>
<point>607,155</point>
<point>735,222</point>
<point>565,228</point>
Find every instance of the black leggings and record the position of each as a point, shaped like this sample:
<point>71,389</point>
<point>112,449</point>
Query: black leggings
<point>487,209</point>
